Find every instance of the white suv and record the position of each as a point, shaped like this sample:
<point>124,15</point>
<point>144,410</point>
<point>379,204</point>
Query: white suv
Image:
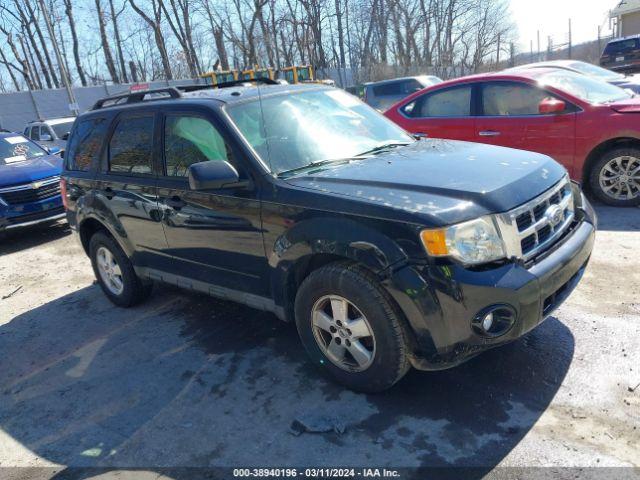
<point>50,133</point>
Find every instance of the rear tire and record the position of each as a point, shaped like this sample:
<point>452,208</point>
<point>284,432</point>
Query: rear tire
<point>114,272</point>
<point>351,328</point>
<point>615,178</point>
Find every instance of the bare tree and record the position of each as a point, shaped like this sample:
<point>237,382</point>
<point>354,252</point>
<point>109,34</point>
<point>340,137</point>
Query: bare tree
<point>118,39</point>
<point>156,25</point>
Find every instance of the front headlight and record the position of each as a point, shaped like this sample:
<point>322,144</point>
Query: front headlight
<point>473,242</point>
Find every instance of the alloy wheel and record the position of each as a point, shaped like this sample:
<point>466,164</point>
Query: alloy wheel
<point>109,270</point>
<point>343,333</point>
<point>620,178</point>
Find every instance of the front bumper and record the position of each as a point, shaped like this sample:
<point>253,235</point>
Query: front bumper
<point>23,215</point>
<point>441,301</point>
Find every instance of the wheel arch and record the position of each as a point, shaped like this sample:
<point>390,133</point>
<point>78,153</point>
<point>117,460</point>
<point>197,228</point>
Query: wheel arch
<point>88,226</point>
<point>601,149</point>
<point>314,243</point>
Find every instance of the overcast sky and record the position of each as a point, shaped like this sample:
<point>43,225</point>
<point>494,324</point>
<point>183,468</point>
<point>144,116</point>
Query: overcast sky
<point>551,17</point>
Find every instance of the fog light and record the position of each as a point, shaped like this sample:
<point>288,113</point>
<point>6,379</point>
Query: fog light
<point>494,320</point>
<point>487,321</point>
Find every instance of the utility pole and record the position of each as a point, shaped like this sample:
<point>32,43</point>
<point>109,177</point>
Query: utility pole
<point>73,105</point>
<point>599,36</point>
<point>532,50</point>
<point>538,51</point>
<point>498,53</point>
<point>569,38</point>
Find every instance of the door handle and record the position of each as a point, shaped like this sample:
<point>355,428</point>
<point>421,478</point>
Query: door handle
<point>174,202</point>
<point>109,193</point>
<point>488,133</point>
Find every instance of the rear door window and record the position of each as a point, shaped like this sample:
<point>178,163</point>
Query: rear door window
<point>85,144</point>
<point>131,146</point>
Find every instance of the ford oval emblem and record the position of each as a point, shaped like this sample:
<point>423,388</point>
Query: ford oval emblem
<point>554,215</point>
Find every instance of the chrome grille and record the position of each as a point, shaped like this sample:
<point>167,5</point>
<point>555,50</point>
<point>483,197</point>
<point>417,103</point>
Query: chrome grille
<point>533,227</point>
<point>31,192</point>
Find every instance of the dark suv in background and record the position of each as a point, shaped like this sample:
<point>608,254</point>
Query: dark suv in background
<point>381,95</point>
<point>301,200</point>
<point>622,55</point>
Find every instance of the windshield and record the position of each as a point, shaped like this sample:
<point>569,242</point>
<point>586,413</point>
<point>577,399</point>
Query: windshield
<point>62,128</point>
<point>17,148</point>
<point>588,89</point>
<point>296,130</point>
<point>595,71</point>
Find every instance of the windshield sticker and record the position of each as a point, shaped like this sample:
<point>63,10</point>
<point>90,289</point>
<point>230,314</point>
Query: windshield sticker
<point>18,158</point>
<point>19,150</point>
<point>15,140</point>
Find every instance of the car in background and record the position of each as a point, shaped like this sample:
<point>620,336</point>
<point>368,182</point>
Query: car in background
<point>51,134</point>
<point>632,82</point>
<point>589,126</point>
<point>29,183</point>
<point>622,54</point>
<point>381,95</point>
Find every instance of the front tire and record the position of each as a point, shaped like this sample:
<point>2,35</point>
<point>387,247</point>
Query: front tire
<point>114,272</point>
<point>351,328</point>
<point>615,177</point>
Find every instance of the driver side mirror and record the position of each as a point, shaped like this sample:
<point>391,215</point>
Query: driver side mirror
<point>212,175</point>
<point>551,105</point>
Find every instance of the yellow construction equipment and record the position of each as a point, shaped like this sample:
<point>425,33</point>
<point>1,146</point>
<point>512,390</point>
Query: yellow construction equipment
<point>293,74</point>
<point>298,74</point>
<point>253,73</point>
<point>220,76</point>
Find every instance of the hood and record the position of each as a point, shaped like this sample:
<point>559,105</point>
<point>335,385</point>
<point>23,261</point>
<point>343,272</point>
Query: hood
<point>29,170</point>
<point>445,180</point>
<point>634,86</point>
<point>630,105</point>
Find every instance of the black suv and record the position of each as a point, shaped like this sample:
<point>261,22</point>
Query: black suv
<point>387,251</point>
<point>622,55</point>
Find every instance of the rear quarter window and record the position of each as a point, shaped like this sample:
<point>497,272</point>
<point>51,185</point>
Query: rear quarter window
<point>85,144</point>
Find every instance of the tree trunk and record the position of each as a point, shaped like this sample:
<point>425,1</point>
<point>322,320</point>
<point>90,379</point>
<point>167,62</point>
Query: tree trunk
<point>157,33</point>
<point>8,66</point>
<point>26,25</point>
<point>116,34</point>
<point>104,41</point>
<point>340,34</point>
<point>45,46</point>
<point>74,39</point>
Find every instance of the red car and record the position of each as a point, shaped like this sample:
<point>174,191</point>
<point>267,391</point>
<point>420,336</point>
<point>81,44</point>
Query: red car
<point>589,126</point>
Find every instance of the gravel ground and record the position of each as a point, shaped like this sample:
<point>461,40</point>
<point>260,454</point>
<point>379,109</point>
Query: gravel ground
<point>187,380</point>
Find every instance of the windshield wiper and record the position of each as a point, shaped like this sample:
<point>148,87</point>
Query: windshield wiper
<point>317,163</point>
<point>382,147</point>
